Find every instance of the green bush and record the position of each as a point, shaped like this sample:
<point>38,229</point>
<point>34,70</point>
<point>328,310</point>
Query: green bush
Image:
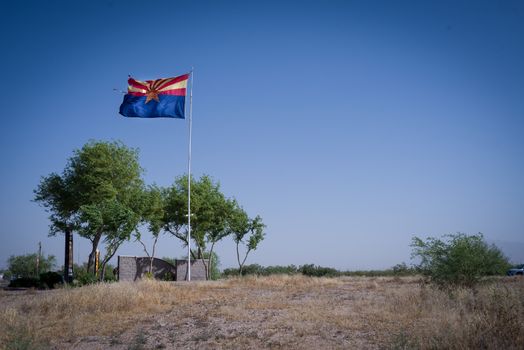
<point>82,278</point>
<point>281,270</point>
<point>50,279</point>
<point>318,271</point>
<point>25,282</point>
<point>458,260</point>
<point>25,265</point>
<point>255,269</point>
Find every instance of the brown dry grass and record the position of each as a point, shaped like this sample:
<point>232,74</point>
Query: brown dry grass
<point>275,311</point>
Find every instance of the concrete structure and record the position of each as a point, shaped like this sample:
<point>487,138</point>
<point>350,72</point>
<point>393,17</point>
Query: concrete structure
<point>198,270</point>
<point>131,268</point>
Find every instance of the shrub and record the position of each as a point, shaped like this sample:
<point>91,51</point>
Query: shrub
<point>459,260</point>
<point>281,270</point>
<point>83,278</point>
<point>25,282</point>
<point>318,271</point>
<point>25,265</point>
<point>50,279</point>
<point>255,269</point>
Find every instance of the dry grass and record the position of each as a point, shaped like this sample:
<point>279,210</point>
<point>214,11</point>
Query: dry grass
<point>275,311</point>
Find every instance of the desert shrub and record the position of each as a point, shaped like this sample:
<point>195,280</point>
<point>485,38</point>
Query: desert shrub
<point>82,277</point>
<point>25,282</point>
<point>369,273</point>
<point>403,269</point>
<point>50,279</point>
<point>318,271</point>
<point>168,276</point>
<point>281,270</point>
<point>458,260</point>
<point>109,274</point>
<point>255,269</point>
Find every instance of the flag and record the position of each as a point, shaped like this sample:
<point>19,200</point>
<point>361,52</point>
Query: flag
<point>160,98</point>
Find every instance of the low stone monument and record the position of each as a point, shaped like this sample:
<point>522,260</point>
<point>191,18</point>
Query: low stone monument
<point>132,268</point>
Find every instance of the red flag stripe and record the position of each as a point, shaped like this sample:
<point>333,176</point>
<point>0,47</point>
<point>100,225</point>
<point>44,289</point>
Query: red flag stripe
<point>175,92</point>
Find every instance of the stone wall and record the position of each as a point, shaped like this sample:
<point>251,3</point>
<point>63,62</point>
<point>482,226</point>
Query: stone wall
<point>198,270</point>
<point>131,268</point>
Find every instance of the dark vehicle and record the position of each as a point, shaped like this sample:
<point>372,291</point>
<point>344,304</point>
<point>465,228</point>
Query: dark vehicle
<point>518,270</point>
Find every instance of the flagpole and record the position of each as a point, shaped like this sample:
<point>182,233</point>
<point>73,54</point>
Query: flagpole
<point>189,181</point>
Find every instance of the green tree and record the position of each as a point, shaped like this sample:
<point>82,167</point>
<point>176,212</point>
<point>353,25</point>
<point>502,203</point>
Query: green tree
<point>152,216</point>
<point>210,212</point>
<point>458,259</point>
<point>96,195</point>
<point>25,265</point>
<point>246,231</point>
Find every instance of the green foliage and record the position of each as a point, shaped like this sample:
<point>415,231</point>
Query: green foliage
<point>318,271</point>
<point>172,261</point>
<point>213,217</point>
<point>82,277</point>
<point>246,231</point>
<point>25,282</point>
<point>98,195</point>
<point>255,269</point>
<point>214,269</point>
<point>281,270</point>
<point>25,265</point>
<point>49,280</point>
<point>209,211</point>
<point>168,276</point>
<point>109,273</point>
<point>458,259</point>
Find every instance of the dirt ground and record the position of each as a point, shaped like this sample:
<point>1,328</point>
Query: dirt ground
<point>307,318</point>
<point>288,312</point>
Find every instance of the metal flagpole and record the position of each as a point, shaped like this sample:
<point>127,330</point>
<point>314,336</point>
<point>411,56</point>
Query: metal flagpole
<point>189,181</point>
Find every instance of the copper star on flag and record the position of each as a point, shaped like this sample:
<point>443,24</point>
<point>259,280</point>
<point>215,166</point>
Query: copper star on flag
<point>152,94</point>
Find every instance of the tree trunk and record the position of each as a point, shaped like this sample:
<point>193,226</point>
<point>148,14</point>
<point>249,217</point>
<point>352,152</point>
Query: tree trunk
<point>238,259</point>
<point>94,247</point>
<point>152,257</point>
<point>210,261</point>
<point>111,250</point>
<point>103,272</point>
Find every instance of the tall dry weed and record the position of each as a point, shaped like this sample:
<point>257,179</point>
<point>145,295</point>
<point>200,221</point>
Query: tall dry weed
<point>489,317</point>
<point>102,309</point>
<point>280,311</point>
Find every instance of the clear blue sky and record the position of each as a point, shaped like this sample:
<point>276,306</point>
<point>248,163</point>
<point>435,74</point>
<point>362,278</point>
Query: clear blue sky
<point>349,126</point>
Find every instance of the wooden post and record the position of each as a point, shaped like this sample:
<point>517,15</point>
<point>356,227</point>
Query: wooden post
<point>68,257</point>
<point>97,262</point>
<point>38,259</point>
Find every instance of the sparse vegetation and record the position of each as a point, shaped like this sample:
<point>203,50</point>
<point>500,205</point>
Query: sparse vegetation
<point>318,271</point>
<point>290,311</point>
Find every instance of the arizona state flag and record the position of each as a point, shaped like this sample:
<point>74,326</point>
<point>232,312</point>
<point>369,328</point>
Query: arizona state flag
<point>161,98</point>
